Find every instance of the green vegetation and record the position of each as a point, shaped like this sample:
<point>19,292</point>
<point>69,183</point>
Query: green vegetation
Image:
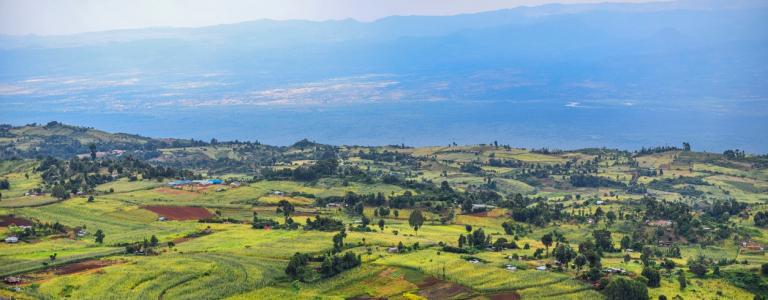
<point>312,220</point>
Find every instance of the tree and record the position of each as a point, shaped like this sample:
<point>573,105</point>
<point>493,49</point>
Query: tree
<point>466,206</point>
<point>603,240</point>
<point>654,279</point>
<point>60,192</point>
<point>416,219</point>
<point>681,279</point>
<point>359,208</point>
<point>338,241</point>
<point>92,147</point>
<point>611,217</point>
<point>761,219</point>
<point>564,254</point>
<point>647,255</point>
<point>90,198</point>
<point>462,240</point>
<point>625,243</point>
<point>547,241</point>
<point>286,208</point>
<point>297,266</point>
<point>99,236</point>
<point>580,261</point>
<point>622,288</point>
<point>698,266</point>
<point>381,224</point>
<point>764,269</point>
<point>153,241</point>
<point>599,214</point>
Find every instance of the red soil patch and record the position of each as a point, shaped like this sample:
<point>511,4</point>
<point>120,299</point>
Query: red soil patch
<point>505,296</point>
<point>9,220</point>
<point>433,288</point>
<point>180,212</point>
<point>83,266</point>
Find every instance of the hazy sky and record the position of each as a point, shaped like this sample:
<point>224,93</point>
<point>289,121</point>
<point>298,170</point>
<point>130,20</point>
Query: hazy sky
<point>46,17</point>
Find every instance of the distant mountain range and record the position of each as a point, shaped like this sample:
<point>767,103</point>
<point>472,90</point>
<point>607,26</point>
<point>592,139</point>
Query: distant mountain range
<point>703,56</point>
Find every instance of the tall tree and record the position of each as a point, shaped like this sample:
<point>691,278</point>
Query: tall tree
<point>547,241</point>
<point>416,219</point>
<point>99,236</point>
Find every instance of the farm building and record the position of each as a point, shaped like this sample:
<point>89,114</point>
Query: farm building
<point>11,239</point>
<point>482,207</point>
<point>333,205</point>
<point>178,183</point>
<point>660,223</point>
<point>752,246</point>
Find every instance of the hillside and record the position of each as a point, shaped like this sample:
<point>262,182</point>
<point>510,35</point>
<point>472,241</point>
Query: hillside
<point>497,222</point>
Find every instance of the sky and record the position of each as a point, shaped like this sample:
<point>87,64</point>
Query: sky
<point>56,17</point>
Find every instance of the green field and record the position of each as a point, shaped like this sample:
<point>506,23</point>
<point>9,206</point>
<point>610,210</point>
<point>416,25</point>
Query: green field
<point>225,258</point>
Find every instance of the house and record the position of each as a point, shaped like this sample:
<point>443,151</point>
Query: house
<point>541,268</point>
<point>753,246</point>
<point>333,205</point>
<point>11,240</point>
<point>277,193</point>
<point>659,223</point>
<point>614,271</point>
<point>393,250</point>
<point>482,207</point>
<point>81,232</point>
<point>161,219</point>
<point>599,202</point>
<point>511,268</point>
<point>235,184</point>
<point>12,280</point>
<point>176,183</point>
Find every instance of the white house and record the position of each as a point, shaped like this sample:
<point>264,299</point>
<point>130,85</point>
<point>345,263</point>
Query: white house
<point>11,239</point>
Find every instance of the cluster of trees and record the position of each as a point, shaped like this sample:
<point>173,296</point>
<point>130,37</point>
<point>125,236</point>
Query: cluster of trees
<point>734,154</point>
<point>478,240</point>
<point>63,177</point>
<point>145,247</point>
<point>669,185</point>
<point>37,230</point>
<point>298,267</point>
<point>539,214</point>
<point>4,184</point>
<point>259,223</point>
<point>661,149</point>
<point>323,224</point>
<point>388,156</point>
<point>594,181</point>
<point>761,219</point>
<point>324,167</point>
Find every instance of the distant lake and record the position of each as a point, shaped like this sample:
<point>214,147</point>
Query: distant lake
<point>520,124</point>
